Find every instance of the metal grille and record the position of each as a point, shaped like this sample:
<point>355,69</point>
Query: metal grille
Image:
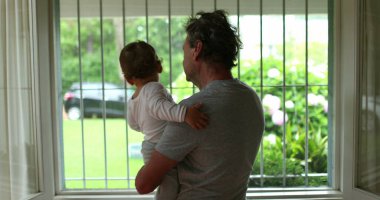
<point>284,58</point>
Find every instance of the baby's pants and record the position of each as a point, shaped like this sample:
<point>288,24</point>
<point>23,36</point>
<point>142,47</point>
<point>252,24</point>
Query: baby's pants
<point>169,188</point>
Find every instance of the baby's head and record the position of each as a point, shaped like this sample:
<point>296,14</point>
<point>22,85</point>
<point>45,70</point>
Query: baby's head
<point>139,60</point>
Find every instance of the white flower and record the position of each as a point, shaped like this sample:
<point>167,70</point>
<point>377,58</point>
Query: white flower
<point>289,104</point>
<point>319,71</point>
<point>295,62</point>
<point>273,73</point>
<point>321,99</point>
<point>271,138</point>
<point>326,106</point>
<point>278,117</point>
<point>293,68</point>
<point>312,99</point>
<point>271,103</point>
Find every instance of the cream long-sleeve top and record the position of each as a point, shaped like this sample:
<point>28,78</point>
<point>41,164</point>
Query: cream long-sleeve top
<point>151,109</point>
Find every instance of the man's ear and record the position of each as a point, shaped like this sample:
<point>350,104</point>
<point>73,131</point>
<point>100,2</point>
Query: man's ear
<point>159,68</point>
<point>197,49</point>
<point>131,81</point>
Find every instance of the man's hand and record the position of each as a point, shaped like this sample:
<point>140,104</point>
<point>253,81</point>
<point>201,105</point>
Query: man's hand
<point>151,175</point>
<point>195,118</point>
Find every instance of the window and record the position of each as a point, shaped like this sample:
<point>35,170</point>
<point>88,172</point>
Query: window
<point>284,58</point>
<point>343,113</point>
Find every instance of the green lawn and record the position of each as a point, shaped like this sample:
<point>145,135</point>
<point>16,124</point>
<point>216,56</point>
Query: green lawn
<point>90,152</point>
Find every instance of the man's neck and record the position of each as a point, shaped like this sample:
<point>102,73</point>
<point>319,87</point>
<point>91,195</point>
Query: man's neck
<point>212,73</point>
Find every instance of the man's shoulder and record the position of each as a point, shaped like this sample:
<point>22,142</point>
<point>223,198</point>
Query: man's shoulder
<point>194,98</point>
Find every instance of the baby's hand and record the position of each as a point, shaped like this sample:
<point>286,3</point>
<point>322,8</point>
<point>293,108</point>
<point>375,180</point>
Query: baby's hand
<point>195,118</point>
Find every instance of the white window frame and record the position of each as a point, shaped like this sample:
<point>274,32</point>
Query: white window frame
<point>349,66</point>
<point>41,27</point>
<point>344,91</point>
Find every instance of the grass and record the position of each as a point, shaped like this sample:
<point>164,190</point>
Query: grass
<point>85,163</point>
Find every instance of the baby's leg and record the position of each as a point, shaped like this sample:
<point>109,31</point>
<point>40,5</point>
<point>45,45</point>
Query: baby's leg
<point>169,188</point>
<point>147,149</point>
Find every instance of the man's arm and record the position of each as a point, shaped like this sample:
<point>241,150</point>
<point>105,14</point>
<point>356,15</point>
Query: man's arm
<point>151,175</point>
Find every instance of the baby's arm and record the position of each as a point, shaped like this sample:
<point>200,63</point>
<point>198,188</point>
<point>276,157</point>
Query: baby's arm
<point>169,111</point>
<point>195,118</point>
<point>162,107</point>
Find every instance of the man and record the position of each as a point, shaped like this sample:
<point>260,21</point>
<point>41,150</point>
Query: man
<point>213,163</point>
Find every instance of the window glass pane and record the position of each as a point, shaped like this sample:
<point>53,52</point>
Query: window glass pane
<point>283,59</point>
<point>250,54</point>
<point>273,136</point>
<point>318,49</point>
<point>272,42</point>
<point>90,40</point>
<point>158,31</point>
<point>317,134</point>
<point>134,20</point>
<point>73,156</point>
<point>204,5</point>
<point>295,136</point>
<point>96,150</point>
<point>318,32</point>
<point>69,43</point>
<point>295,42</point>
<point>180,10</point>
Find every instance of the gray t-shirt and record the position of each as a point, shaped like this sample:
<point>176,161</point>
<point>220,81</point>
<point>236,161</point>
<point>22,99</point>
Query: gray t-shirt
<point>215,163</point>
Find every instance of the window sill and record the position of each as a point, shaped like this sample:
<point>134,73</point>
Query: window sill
<point>295,193</point>
<point>267,193</point>
<point>98,197</point>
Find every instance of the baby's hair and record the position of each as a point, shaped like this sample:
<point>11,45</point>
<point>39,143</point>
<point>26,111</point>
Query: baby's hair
<point>138,60</point>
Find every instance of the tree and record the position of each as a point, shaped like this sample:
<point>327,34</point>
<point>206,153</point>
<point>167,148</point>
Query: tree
<point>94,57</point>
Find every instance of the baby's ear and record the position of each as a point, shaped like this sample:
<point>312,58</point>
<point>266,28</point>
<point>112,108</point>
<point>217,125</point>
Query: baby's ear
<point>131,81</point>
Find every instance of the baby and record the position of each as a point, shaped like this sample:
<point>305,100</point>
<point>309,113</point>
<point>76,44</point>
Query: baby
<point>151,106</point>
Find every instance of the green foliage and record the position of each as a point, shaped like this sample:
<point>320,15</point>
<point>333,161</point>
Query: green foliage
<point>300,116</point>
<point>89,60</point>
<point>295,160</point>
<point>170,53</point>
<point>93,40</point>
